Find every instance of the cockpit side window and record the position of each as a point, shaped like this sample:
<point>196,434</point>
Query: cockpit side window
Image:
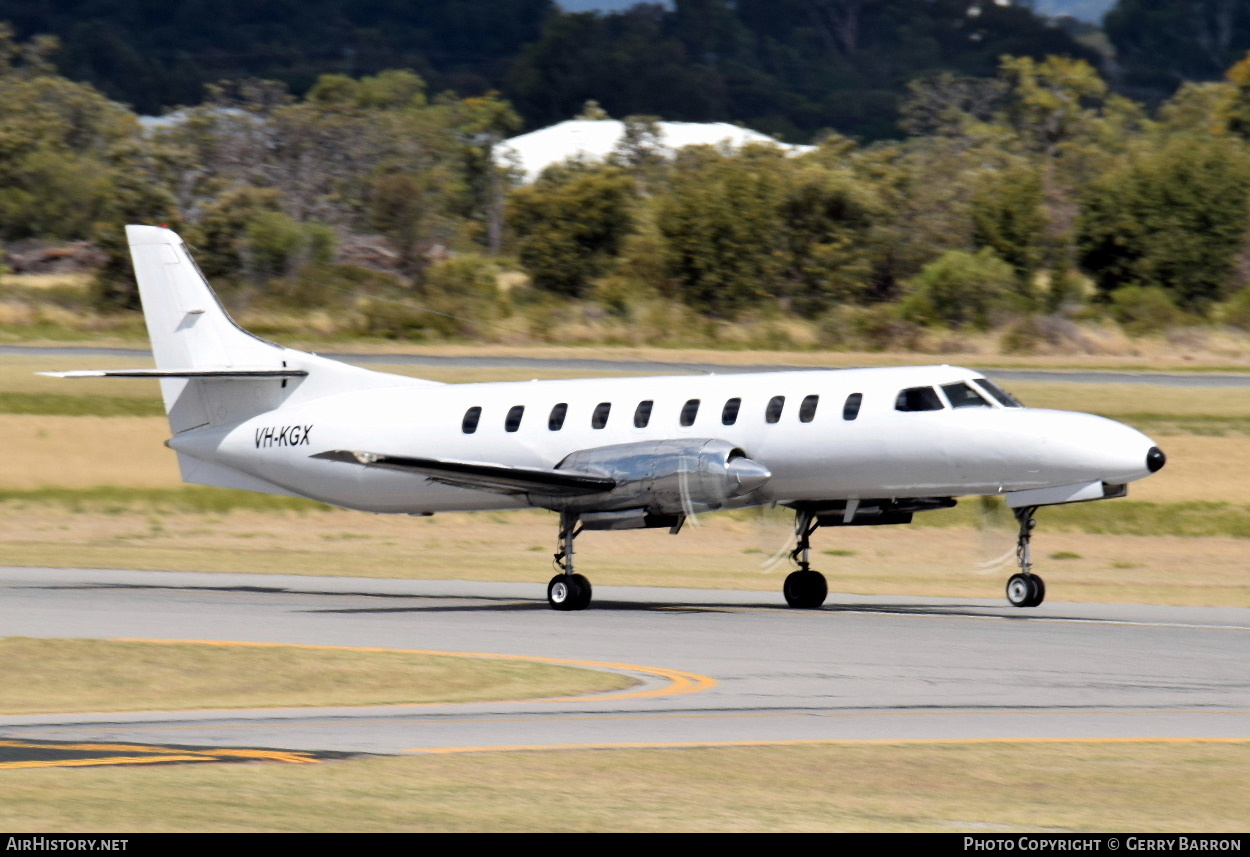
<point>918,399</point>
<point>1002,396</point>
<point>962,396</point>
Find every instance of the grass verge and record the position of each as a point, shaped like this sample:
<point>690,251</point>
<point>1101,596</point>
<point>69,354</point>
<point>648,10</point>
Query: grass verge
<point>724,552</point>
<point>1140,787</point>
<point>61,676</point>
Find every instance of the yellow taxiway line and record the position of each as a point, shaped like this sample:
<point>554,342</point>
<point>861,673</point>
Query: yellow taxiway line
<point>679,681</point>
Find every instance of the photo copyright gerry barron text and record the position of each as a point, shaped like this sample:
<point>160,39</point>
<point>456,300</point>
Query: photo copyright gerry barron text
<point>1101,843</point>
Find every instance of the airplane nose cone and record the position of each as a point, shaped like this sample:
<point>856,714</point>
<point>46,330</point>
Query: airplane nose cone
<point>1155,459</point>
<point>748,475</point>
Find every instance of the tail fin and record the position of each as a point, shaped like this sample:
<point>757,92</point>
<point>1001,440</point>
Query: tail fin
<point>188,326</point>
<point>212,371</point>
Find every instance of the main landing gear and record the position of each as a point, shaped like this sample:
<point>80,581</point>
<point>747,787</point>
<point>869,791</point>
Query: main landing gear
<point>804,588</point>
<point>567,590</point>
<point>1025,589</point>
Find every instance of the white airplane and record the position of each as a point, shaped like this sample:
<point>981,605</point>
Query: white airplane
<point>843,447</point>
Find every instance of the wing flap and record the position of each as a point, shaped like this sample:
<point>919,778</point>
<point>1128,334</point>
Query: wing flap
<point>481,475</point>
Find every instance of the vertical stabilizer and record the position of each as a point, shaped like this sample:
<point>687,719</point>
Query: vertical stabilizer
<point>190,330</point>
<point>188,326</point>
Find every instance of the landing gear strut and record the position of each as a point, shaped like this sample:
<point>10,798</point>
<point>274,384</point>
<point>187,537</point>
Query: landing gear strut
<point>567,590</point>
<point>1025,589</point>
<point>804,588</point>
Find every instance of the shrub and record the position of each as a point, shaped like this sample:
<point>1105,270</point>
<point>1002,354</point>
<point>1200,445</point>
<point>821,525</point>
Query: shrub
<point>959,289</point>
<point>1144,309</point>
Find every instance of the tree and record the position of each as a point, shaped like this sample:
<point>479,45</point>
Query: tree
<point>1173,218</point>
<point>1237,106</point>
<point>826,216</point>
<point>1008,217</point>
<point>722,226</point>
<point>1163,43</point>
<point>570,224</point>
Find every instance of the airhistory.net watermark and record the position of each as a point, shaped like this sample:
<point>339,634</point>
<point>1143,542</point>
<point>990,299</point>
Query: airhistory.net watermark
<point>47,843</point>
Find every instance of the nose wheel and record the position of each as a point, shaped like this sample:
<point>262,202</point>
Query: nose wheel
<point>1025,589</point>
<point>804,588</point>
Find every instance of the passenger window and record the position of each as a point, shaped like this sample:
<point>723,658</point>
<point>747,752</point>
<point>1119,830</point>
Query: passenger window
<point>1004,398</point>
<point>775,405</point>
<point>513,421</point>
<point>689,411</point>
<point>642,414</point>
<point>962,396</point>
<point>851,409</point>
<point>729,414</point>
<point>555,422</point>
<point>807,410</point>
<point>918,399</point>
<point>600,417</point>
<point>471,418</point>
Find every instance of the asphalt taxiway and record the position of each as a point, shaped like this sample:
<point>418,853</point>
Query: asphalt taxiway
<point>713,667</point>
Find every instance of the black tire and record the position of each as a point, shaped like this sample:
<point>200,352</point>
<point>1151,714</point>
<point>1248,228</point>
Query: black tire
<point>805,589</point>
<point>584,592</point>
<point>563,592</point>
<point>1021,590</point>
<point>1039,591</point>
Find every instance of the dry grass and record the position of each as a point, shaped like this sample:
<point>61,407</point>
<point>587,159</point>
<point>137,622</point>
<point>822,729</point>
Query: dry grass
<point>49,675</point>
<point>77,281</point>
<point>79,452</point>
<point>725,552</point>
<point>1140,787</point>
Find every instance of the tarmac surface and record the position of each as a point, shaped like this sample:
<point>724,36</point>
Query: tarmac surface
<point>714,667</point>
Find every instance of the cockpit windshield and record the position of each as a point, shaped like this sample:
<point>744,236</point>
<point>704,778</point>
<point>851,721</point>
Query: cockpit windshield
<point>963,396</point>
<point>1000,395</point>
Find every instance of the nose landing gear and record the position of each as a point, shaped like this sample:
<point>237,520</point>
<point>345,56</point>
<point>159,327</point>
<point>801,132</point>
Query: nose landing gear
<point>1025,589</point>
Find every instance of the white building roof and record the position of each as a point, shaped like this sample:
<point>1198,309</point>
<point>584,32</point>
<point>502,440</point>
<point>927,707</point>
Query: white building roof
<point>595,139</point>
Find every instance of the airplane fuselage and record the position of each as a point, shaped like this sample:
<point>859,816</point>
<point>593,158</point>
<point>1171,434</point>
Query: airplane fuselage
<point>823,435</point>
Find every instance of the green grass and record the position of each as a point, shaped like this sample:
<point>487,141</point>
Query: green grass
<point>50,404</point>
<point>997,788</point>
<point>1116,517</point>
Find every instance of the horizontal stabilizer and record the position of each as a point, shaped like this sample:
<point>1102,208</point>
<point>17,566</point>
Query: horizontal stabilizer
<point>481,476</point>
<point>238,372</point>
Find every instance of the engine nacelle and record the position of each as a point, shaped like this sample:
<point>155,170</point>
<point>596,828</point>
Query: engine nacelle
<point>667,477</point>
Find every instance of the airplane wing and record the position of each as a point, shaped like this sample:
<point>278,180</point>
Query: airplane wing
<point>240,372</point>
<point>499,478</point>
